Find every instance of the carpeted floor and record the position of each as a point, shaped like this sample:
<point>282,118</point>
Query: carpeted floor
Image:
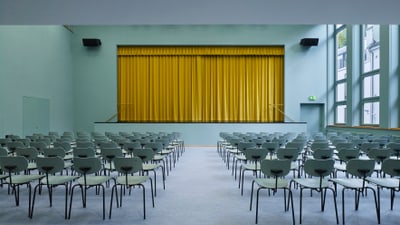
<point>200,190</point>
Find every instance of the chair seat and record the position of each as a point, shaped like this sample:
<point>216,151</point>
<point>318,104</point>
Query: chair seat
<point>312,182</point>
<point>252,166</point>
<point>349,182</point>
<point>93,180</point>
<point>148,166</point>
<point>23,179</point>
<point>58,179</point>
<point>240,157</point>
<point>384,182</point>
<point>132,180</point>
<point>271,183</point>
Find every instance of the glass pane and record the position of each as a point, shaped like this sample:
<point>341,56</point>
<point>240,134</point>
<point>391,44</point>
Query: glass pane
<point>371,113</point>
<point>341,54</point>
<point>341,114</point>
<point>371,48</point>
<point>341,93</point>
<point>371,86</point>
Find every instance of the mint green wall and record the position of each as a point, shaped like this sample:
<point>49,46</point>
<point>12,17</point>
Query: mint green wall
<point>35,61</point>
<point>95,70</point>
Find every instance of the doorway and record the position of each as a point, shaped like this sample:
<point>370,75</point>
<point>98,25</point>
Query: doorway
<point>313,115</point>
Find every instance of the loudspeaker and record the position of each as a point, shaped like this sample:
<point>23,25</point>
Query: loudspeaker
<point>91,42</point>
<point>309,42</point>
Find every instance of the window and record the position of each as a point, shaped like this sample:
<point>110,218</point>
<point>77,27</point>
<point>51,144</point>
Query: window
<point>370,74</point>
<point>340,74</point>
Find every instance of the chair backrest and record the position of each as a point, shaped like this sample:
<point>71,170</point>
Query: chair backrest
<point>348,154</point>
<point>3,152</point>
<point>84,152</point>
<point>29,153</point>
<point>63,144</point>
<point>360,167</point>
<point>243,146</point>
<point>323,153</point>
<point>391,167</point>
<point>12,146</point>
<point>276,167</point>
<point>347,145</point>
<point>145,154</point>
<point>50,165</point>
<point>379,154</point>
<point>39,145</point>
<point>108,144</point>
<point>318,167</point>
<point>85,144</point>
<point>394,147</point>
<point>111,153</point>
<point>156,146</point>
<point>88,165</point>
<point>53,152</point>
<point>128,165</point>
<point>288,153</point>
<point>271,147</point>
<point>255,154</point>
<point>13,164</point>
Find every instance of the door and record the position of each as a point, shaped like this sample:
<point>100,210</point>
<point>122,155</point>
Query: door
<point>36,115</point>
<point>313,114</point>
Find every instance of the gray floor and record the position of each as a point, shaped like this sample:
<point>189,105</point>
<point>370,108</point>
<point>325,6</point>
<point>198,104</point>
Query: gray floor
<point>199,190</point>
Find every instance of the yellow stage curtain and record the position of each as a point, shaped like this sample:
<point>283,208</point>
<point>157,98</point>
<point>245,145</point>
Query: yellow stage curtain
<point>200,84</point>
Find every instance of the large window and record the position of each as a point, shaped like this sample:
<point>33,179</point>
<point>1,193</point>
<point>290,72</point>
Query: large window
<point>370,74</point>
<point>340,74</point>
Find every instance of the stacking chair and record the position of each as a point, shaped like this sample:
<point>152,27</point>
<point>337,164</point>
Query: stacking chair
<point>147,155</point>
<point>344,156</point>
<point>253,158</point>
<point>291,154</point>
<point>272,148</point>
<point>379,155</point>
<point>127,167</point>
<point>13,165</point>
<point>30,153</point>
<point>109,154</point>
<point>157,148</point>
<point>276,170</point>
<point>318,169</point>
<point>58,152</point>
<point>85,167</point>
<point>240,157</point>
<point>13,145</point>
<point>50,166</point>
<point>360,169</point>
<point>395,148</point>
<point>131,146</point>
<point>390,167</point>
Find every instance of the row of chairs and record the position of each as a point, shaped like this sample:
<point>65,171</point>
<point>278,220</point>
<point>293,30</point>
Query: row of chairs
<point>308,154</point>
<point>91,165</point>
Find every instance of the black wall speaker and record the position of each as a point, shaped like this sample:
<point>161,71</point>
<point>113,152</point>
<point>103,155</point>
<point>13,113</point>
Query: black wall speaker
<point>91,42</point>
<point>309,42</point>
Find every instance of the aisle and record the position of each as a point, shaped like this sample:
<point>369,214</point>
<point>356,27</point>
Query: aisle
<point>200,191</point>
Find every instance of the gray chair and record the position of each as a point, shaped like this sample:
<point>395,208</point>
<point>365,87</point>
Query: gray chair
<point>108,155</point>
<point>86,167</point>
<point>50,166</point>
<point>127,167</point>
<point>30,153</point>
<point>391,167</point>
<point>253,158</point>
<point>147,156</point>
<point>13,165</point>
<point>275,170</point>
<point>318,169</point>
<point>360,169</point>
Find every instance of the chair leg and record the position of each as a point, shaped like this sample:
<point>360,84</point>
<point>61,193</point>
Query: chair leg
<point>251,195</point>
<point>335,203</point>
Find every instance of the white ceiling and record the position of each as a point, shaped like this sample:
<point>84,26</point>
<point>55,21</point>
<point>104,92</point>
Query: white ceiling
<point>117,12</point>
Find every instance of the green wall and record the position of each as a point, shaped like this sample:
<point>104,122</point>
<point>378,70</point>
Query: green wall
<point>80,83</point>
<point>95,70</point>
<point>35,62</point>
